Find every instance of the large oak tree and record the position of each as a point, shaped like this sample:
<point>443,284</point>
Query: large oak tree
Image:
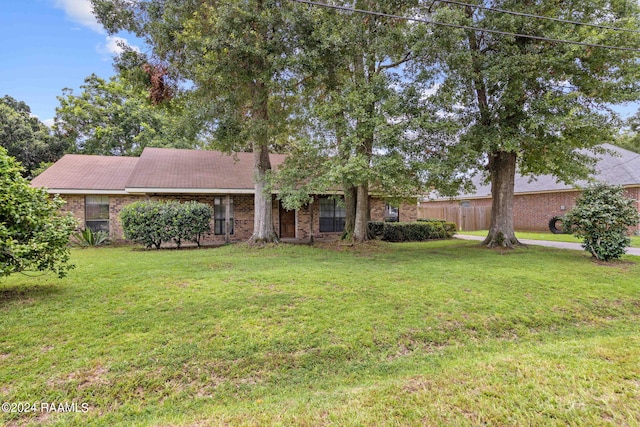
<point>232,56</point>
<point>353,82</point>
<point>533,105</point>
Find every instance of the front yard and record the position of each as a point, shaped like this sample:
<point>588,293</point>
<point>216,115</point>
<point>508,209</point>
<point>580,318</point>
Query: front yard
<point>439,333</point>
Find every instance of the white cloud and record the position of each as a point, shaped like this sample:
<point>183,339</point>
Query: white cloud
<point>81,12</point>
<point>113,45</point>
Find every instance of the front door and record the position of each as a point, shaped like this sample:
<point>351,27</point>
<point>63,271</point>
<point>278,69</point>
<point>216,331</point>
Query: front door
<point>287,223</point>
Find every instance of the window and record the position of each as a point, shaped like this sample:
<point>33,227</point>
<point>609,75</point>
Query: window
<point>96,213</point>
<point>332,215</point>
<point>391,213</point>
<point>219,214</point>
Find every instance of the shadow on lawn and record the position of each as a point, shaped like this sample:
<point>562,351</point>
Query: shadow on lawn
<point>25,293</point>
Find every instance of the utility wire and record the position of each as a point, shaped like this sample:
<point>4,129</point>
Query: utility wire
<point>548,18</point>
<point>463,27</point>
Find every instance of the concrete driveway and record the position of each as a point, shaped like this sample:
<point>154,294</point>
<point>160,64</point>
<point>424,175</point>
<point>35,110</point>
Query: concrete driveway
<point>559,245</point>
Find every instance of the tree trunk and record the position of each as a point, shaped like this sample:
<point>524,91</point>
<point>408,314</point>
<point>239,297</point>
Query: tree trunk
<point>361,226</point>
<point>502,167</point>
<point>350,198</point>
<point>263,231</point>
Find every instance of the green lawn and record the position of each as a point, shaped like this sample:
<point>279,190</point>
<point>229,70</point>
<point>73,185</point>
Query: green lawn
<point>537,235</point>
<point>440,333</point>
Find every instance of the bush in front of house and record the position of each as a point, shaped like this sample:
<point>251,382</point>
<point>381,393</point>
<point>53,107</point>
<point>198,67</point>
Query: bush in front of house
<point>152,222</point>
<point>412,231</point>
<point>34,235</point>
<point>602,217</point>
<point>449,227</point>
<point>192,220</point>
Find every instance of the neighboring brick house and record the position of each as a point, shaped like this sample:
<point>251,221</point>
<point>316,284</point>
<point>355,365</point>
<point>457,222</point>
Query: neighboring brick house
<point>97,187</point>
<point>537,200</point>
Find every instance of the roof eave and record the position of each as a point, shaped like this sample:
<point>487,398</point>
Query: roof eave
<point>161,190</point>
<point>84,191</point>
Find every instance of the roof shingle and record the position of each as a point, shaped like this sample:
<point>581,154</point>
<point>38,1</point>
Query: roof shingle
<point>157,169</point>
<point>168,168</point>
<point>83,172</point>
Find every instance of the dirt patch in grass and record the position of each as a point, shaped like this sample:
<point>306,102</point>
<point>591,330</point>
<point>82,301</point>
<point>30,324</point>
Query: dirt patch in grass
<point>82,378</point>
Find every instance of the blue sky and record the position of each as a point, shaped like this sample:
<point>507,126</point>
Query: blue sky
<point>48,45</point>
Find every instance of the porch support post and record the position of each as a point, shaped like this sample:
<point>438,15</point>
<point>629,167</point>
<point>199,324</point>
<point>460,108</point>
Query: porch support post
<point>227,214</point>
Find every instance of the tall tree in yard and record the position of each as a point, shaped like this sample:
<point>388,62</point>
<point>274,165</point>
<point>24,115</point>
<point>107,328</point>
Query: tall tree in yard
<point>233,56</point>
<point>353,93</point>
<point>535,105</point>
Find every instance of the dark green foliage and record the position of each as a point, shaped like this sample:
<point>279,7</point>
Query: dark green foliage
<point>412,231</point>
<point>602,217</point>
<point>116,117</point>
<point>449,227</point>
<point>26,138</point>
<point>191,221</point>
<point>33,235</point>
<point>88,237</point>
<point>376,228</point>
<point>152,222</point>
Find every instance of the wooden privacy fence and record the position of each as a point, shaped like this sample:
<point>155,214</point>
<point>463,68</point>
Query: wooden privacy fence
<point>466,219</point>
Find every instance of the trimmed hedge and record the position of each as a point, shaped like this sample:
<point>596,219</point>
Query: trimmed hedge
<point>449,227</point>
<point>153,222</point>
<point>412,231</point>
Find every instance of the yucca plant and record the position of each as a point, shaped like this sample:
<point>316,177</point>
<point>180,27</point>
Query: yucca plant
<point>88,237</point>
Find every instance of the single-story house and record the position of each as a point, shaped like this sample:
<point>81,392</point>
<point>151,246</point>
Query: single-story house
<point>97,187</point>
<point>536,200</point>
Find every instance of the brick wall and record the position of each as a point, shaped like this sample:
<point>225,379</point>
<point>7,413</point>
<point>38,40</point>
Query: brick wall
<point>243,214</point>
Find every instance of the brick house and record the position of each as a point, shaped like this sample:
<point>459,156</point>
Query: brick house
<point>97,187</point>
<point>537,200</point>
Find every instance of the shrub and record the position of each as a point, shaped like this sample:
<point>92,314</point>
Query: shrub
<point>192,220</point>
<point>412,231</point>
<point>34,236</point>
<point>449,227</point>
<point>376,228</point>
<point>602,217</point>
<point>88,237</point>
<point>152,222</point>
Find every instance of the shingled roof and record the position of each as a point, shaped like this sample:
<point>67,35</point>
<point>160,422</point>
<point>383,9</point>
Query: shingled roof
<point>157,170</point>
<point>78,173</point>
<point>622,167</point>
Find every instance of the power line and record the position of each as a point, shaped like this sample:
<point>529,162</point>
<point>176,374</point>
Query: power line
<point>548,18</point>
<point>463,27</point>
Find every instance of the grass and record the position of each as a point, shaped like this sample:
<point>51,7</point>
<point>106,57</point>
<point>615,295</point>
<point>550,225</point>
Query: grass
<point>539,235</point>
<point>439,333</point>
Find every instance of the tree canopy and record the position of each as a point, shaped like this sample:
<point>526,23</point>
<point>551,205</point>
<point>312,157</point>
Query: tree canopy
<point>354,111</point>
<point>25,137</point>
<point>118,117</point>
